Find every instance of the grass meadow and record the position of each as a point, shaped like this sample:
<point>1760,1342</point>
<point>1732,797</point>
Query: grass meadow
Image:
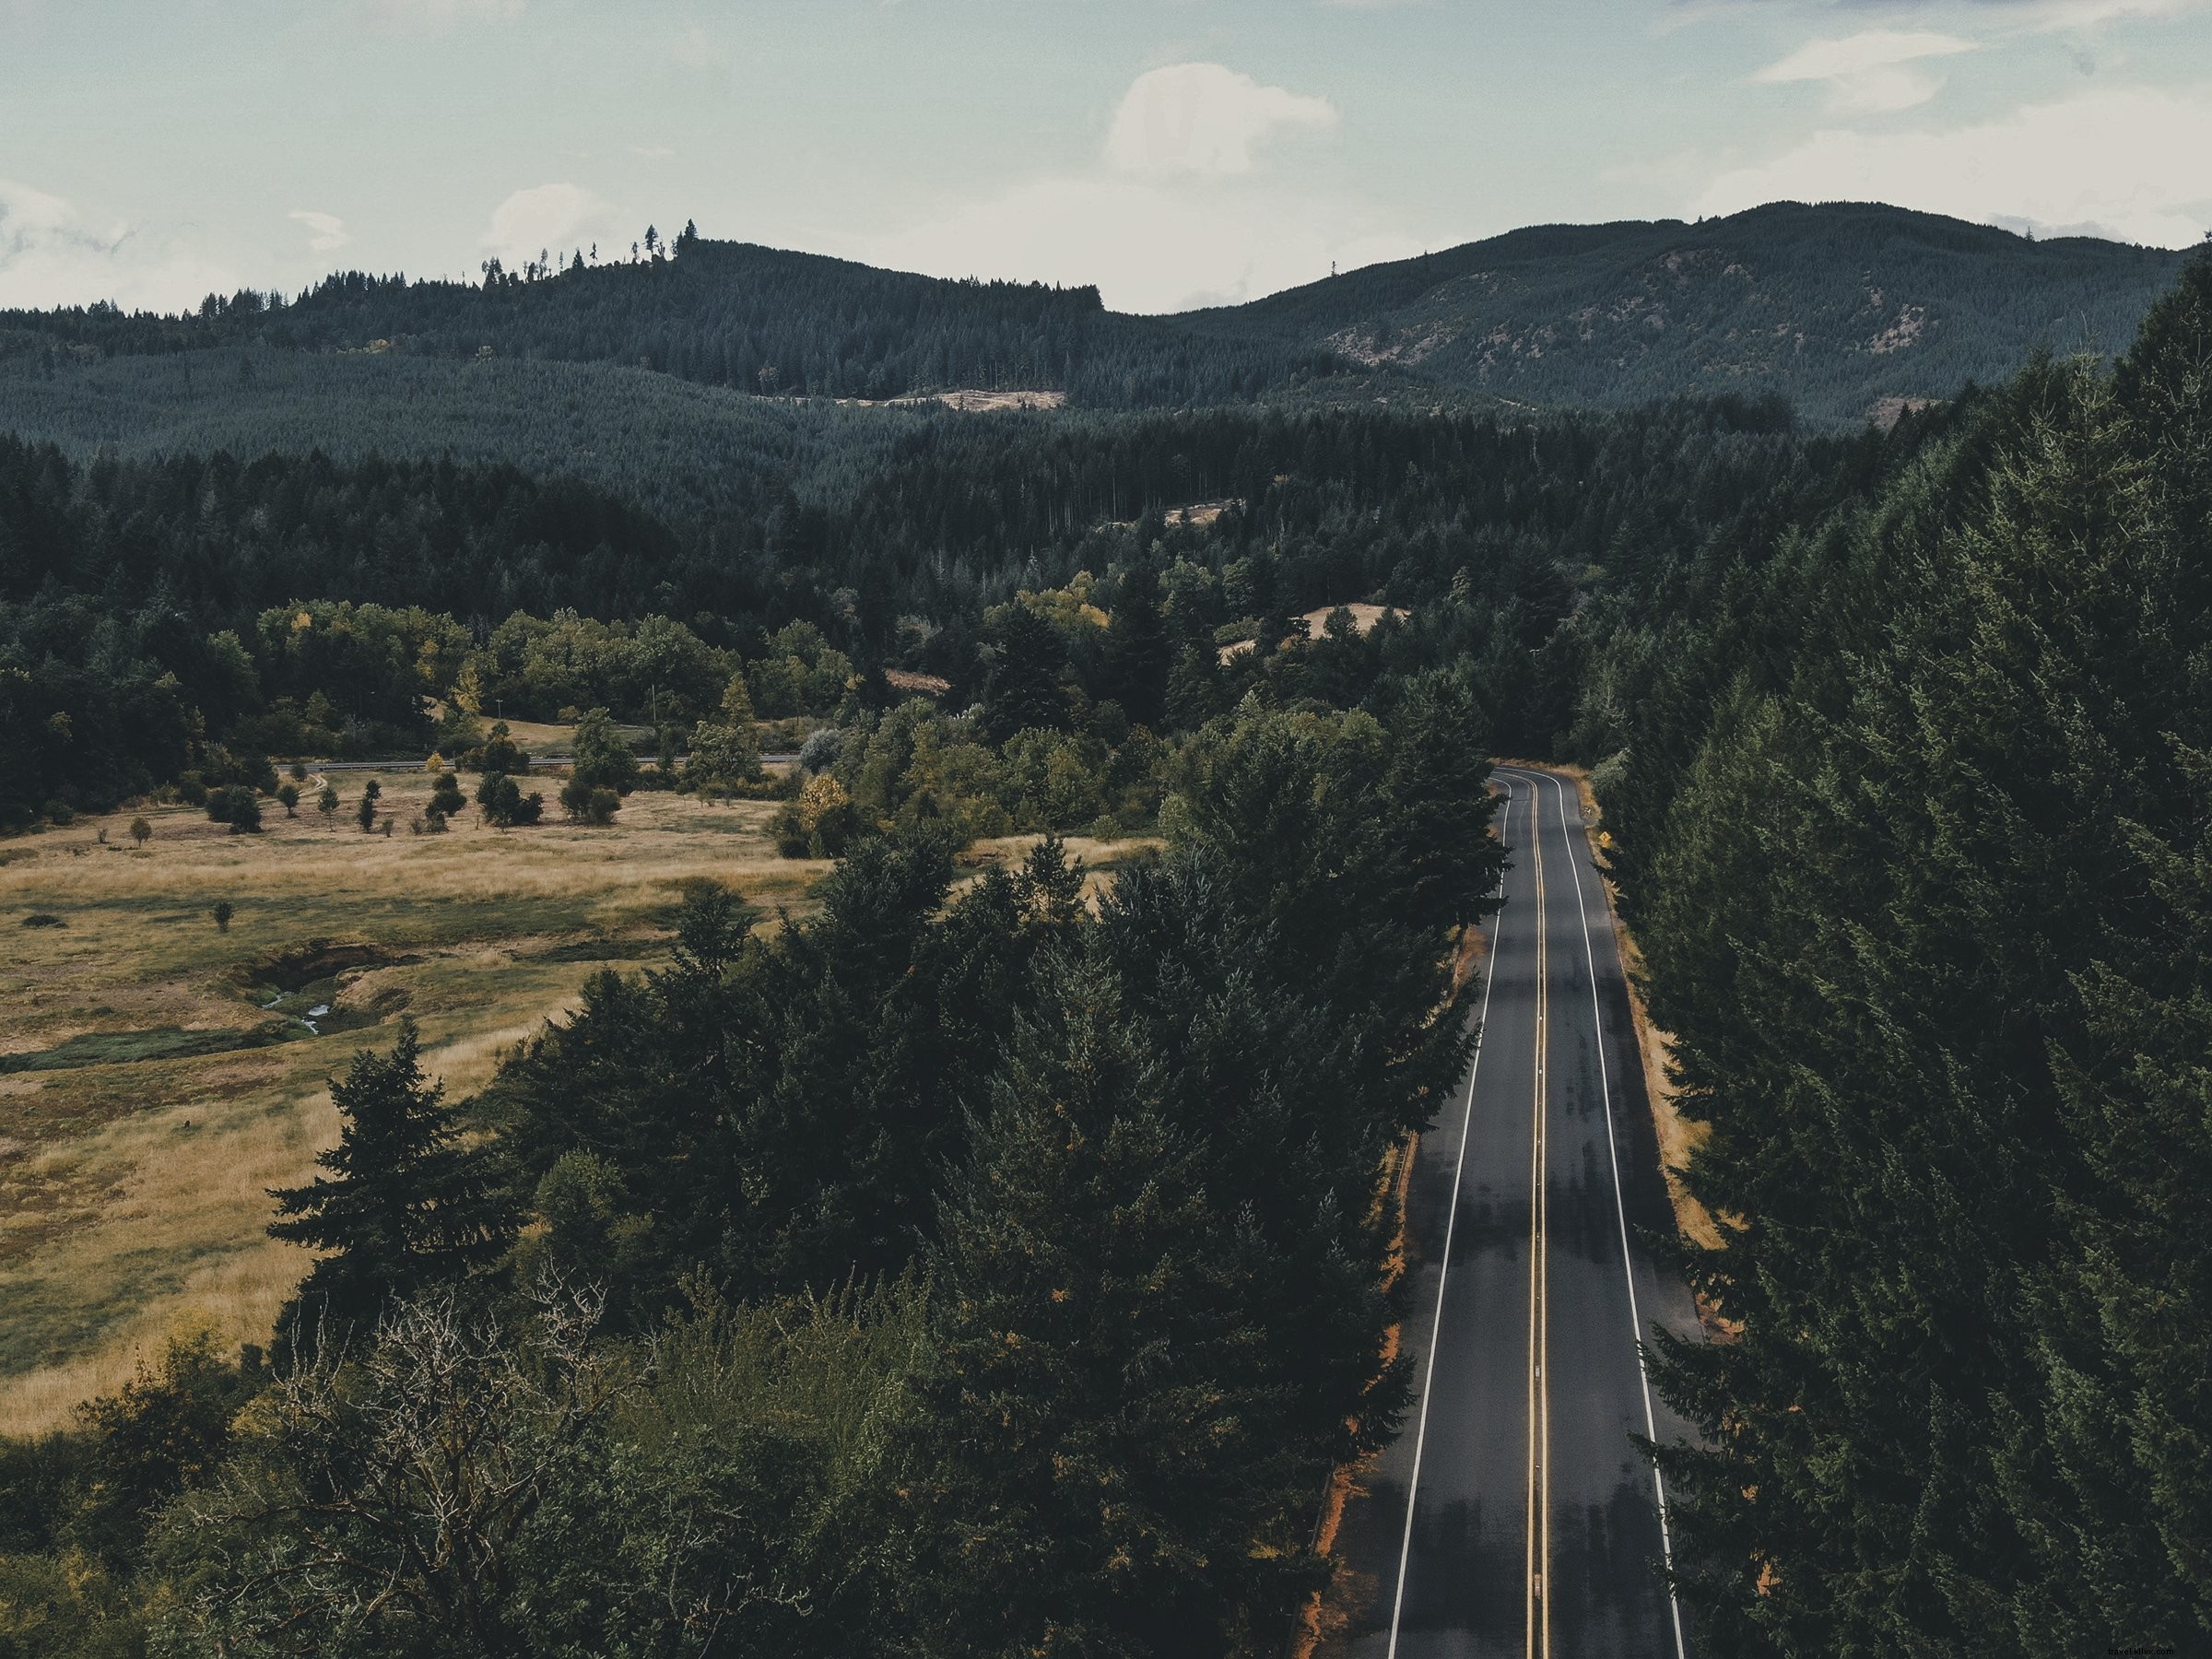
<point>157,1075</point>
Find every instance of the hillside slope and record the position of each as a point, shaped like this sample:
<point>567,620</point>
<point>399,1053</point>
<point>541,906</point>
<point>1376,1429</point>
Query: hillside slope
<point>1841,309</point>
<point>1834,307</point>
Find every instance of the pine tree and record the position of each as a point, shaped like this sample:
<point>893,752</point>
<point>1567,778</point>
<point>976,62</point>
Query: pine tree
<point>1023,690</point>
<point>1093,1472</point>
<point>1137,646</point>
<point>404,1206</point>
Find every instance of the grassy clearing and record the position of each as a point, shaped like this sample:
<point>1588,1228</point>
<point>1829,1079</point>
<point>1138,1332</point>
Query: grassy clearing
<point>157,1074</point>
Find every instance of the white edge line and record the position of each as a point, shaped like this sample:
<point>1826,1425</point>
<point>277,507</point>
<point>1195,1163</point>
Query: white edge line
<point>1651,1427</point>
<point>1444,1270</point>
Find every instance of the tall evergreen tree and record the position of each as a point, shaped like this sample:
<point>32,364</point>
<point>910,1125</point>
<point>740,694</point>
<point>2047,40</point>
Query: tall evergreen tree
<point>1092,1468</point>
<point>1137,646</point>
<point>404,1205</point>
<point>1023,690</point>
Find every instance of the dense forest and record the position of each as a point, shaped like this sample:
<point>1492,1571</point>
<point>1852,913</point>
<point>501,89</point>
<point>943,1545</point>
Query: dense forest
<point>1835,307</point>
<point>150,610</point>
<point>1045,1340</point>
<point>1911,807</point>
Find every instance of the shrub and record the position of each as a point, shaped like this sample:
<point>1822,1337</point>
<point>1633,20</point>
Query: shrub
<point>821,750</point>
<point>289,794</point>
<point>236,806</point>
<point>498,753</point>
<point>819,824</point>
<point>141,832</point>
<point>222,913</point>
<point>586,803</point>
<point>43,919</point>
<point>503,804</point>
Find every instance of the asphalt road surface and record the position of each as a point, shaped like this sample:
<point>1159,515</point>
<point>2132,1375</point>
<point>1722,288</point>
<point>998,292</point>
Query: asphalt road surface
<point>1514,1516</point>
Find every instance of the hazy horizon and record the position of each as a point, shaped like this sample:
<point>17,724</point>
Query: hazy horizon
<point>1175,155</point>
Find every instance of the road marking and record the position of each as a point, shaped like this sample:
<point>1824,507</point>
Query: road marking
<point>1666,1547</point>
<point>1420,1436</point>
<point>1537,1531</point>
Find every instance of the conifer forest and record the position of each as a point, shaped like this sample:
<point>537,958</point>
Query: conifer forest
<point>977,1249</point>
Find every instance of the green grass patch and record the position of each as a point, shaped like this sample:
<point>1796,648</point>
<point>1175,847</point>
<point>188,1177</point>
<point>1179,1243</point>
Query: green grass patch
<point>124,1048</point>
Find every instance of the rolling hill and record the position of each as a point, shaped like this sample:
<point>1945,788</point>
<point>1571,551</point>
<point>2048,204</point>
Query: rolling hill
<point>1836,307</point>
<point>1846,311</point>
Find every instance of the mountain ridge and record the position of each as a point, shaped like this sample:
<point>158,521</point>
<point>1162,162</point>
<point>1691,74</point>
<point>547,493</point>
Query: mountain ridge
<point>1839,307</point>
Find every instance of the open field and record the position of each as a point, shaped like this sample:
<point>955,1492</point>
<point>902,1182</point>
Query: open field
<point>157,1075</point>
<point>134,1166</point>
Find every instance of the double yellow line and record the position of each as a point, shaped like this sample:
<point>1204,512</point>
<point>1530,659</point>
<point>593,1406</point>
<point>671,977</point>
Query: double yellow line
<point>1538,1529</point>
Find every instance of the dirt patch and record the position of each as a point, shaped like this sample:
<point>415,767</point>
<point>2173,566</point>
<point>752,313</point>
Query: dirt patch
<point>916,685</point>
<point>1365,619</point>
<point>303,965</point>
<point>1885,412</point>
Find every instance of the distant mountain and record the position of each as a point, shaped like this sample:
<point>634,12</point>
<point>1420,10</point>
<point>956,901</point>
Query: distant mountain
<point>1836,307</point>
<point>1844,310</point>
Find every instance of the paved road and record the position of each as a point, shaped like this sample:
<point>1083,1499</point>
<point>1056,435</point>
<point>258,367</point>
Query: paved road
<point>1514,1516</point>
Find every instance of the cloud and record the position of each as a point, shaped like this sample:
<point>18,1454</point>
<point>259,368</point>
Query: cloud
<point>2130,159</point>
<point>325,230</point>
<point>1204,119</point>
<point>50,254</point>
<point>1868,73</point>
<point>555,216</point>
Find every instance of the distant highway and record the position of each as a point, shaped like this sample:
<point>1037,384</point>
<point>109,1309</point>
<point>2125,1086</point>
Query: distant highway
<point>1512,1516</point>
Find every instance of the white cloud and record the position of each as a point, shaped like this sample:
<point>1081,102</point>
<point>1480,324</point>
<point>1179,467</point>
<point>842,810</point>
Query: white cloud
<point>1176,215</point>
<point>1202,118</point>
<point>50,254</point>
<point>2131,159</point>
<point>554,216</point>
<point>1871,73</point>
<point>326,232</point>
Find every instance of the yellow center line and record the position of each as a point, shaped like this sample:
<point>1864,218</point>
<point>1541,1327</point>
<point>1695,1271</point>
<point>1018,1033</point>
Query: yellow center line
<point>1538,1530</point>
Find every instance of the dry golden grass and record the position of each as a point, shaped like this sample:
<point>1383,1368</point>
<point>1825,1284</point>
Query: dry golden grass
<point>131,1193</point>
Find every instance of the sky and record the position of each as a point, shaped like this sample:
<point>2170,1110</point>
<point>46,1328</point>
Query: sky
<point>1174,152</point>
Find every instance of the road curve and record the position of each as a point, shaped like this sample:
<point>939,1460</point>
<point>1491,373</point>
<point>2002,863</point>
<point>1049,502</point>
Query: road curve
<point>1514,1516</point>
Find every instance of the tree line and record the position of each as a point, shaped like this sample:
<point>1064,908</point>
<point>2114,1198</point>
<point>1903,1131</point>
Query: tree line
<point>1910,811</point>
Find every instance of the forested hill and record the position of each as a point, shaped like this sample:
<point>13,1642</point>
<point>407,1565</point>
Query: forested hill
<point>760,320</point>
<point>1835,307</point>
<point>1841,309</point>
